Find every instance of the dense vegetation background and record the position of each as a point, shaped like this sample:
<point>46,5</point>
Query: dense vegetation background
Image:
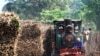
<point>48,10</point>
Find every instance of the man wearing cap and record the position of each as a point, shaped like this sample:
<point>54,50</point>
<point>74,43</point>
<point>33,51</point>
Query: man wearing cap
<point>68,29</point>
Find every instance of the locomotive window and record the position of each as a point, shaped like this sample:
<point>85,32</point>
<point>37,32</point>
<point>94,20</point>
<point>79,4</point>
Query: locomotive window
<point>76,27</point>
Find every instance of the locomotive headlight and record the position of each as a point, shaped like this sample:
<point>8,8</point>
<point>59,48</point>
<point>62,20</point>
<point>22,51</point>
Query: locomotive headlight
<point>78,39</point>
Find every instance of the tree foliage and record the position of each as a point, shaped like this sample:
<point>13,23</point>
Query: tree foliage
<point>48,16</point>
<point>26,8</point>
<point>93,6</point>
<point>49,10</point>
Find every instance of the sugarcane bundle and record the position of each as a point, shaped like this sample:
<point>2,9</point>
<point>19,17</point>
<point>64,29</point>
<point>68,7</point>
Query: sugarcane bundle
<point>29,41</point>
<point>9,26</point>
<point>30,30</point>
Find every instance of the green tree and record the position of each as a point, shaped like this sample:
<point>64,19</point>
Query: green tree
<point>49,10</point>
<point>26,8</point>
<point>32,8</point>
<point>48,16</point>
<point>93,13</point>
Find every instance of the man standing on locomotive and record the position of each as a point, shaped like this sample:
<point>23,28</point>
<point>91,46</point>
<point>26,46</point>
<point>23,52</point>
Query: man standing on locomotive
<point>56,47</point>
<point>61,34</point>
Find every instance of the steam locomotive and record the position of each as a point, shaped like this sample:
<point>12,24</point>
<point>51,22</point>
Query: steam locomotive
<point>68,40</point>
